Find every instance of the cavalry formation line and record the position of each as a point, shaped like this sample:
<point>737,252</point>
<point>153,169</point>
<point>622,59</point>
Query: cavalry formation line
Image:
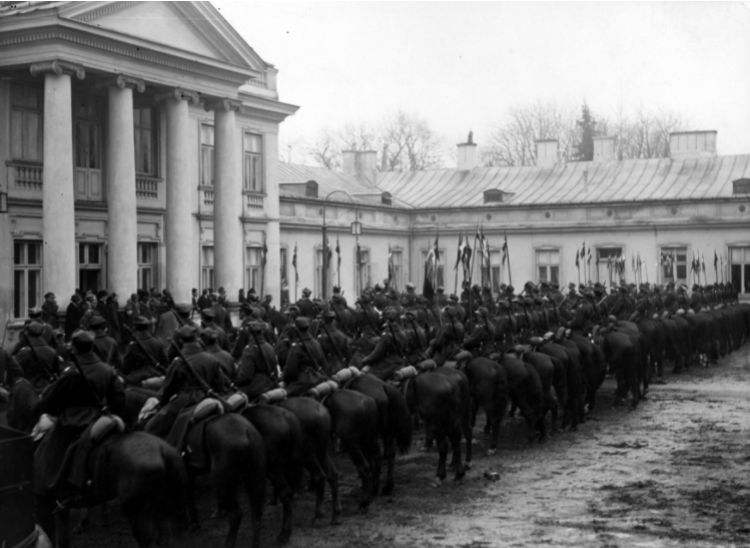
<point>269,399</point>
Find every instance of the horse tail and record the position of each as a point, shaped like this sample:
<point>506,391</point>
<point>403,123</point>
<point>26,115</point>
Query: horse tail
<point>295,459</point>
<point>176,480</point>
<point>399,418</point>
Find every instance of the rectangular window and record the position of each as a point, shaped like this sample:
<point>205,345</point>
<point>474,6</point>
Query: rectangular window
<point>253,267</point>
<point>606,265</point>
<point>548,265</point>
<point>90,267</point>
<point>26,122</point>
<point>207,267</point>
<point>253,163</point>
<point>27,277</point>
<point>207,155</point>
<point>145,140</point>
<point>147,265</point>
<point>676,268</point>
<point>739,272</point>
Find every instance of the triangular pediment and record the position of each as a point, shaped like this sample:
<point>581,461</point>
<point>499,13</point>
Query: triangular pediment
<point>193,27</point>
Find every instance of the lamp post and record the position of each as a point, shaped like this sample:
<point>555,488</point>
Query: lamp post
<point>356,228</point>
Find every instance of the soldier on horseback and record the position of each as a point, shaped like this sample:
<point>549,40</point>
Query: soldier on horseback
<point>388,356</point>
<point>188,383</point>
<point>79,397</point>
<point>335,344</point>
<point>104,345</point>
<point>258,369</point>
<point>145,356</point>
<point>40,363</point>
<point>304,366</point>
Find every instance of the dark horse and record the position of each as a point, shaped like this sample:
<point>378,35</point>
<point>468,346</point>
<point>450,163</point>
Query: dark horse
<point>231,451</point>
<point>143,472</point>
<point>316,441</point>
<point>282,436</point>
<point>394,421</point>
<point>438,401</point>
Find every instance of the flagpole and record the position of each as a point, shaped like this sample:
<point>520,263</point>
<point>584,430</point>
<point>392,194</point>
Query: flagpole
<point>507,254</point>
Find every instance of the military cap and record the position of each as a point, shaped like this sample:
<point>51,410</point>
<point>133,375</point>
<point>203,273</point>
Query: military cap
<point>142,320</point>
<point>364,299</point>
<point>378,287</point>
<point>549,335</point>
<point>90,298</point>
<point>97,321</point>
<point>510,289</point>
<point>453,297</point>
<point>302,323</point>
<point>329,314</point>
<point>210,334</point>
<point>410,286</point>
<point>35,329</point>
<point>599,290</point>
<point>208,313</point>
<point>529,284</point>
<point>35,312</point>
<point>390,314</point>
<point>306,292</point>
<point>75,298</point>
<point>440,289</point>
<point>293,308</point>
<point>183,309</point>
<point>82,337</point>
<point>571,285</point>
<point>696,287</point>
<point>681,312</point>
<point>336,289</point>
<point>555,286</point>
<point>623,289</point>
<point>536,341</point>
<point>187,331</point>
<point>49,294</point>
<point>258,327</point>
<point>476,287</point>
<point>101,295</point>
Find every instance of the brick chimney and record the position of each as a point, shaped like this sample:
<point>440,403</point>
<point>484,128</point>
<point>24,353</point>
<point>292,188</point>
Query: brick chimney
<point>690,145</point>
<point>360,164</point>
<point>546,152</point>
<point>604,149</point>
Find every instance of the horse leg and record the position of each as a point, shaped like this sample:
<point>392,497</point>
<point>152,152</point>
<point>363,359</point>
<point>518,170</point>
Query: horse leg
<point>455,442</point>
<point>44,517</point>
<point>229,502</point>
<point>529,415</point>
<point>192,508</point>
<point>284,493</point>
<point>332,476</point>
<point>365,474</point>
<point>62,526</point>
<point>442,445</point>
<point>389,454</point>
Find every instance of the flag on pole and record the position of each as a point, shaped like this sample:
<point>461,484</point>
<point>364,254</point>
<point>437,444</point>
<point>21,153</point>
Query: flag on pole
<point>391,273</point>
<point>264,253</point>
<point>428,287</point>
<point>459,251</point>
<point>505,249</point>
<point>338,255</point>
<point>294,264</point>
<point>583,251</point>
<point>703,263</point>
<point>466,257</point>
<point>716,259</point>
<point>578,263</point>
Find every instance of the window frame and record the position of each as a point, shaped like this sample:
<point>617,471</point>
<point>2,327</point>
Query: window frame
<point>207,268</point>
<point>549,278</point>
<point>151,266</point>
<point>22,301</point>
<point>398,268</point>
<point>256,162</point>
<point>744,266</point>
<point>253,271</point>
<point>668,249</point>
<point>366,269</point>
<point>25,111</point>
<point>153,131</point>
<point>207,150</point>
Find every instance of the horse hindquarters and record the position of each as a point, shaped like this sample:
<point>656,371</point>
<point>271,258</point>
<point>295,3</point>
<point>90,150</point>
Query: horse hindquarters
<point>237,456</point>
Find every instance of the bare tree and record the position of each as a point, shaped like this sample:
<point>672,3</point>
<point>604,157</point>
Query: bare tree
<point>645,134</point>
<point>326,150</point>
<point>403,141</point>
<point>292,151</point>
<point>514,142</point>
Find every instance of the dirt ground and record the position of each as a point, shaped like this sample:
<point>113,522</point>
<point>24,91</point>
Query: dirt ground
<point>674,472</point>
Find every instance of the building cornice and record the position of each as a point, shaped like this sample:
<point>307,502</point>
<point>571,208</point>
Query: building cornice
<point>113,43</point>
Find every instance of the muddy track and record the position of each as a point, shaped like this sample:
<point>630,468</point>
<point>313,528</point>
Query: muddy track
<point>674,472</point>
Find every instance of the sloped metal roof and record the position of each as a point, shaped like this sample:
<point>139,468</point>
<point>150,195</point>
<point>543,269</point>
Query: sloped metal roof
<point>573,183</point>
<point>328,182</point>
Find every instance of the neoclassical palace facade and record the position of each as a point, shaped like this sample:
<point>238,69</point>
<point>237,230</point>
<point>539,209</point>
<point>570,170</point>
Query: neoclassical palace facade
<point>127,125</point>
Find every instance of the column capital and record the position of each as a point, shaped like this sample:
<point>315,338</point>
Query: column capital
<point>179,94</point>
<point>58,67</point>
<point>122,81</point>
<point>223,104</point>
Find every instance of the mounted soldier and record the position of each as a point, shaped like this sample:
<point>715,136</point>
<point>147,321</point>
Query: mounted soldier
<point>210,339</point>
<point>258,368</point>
<point>305,305</point>
<point>335,344</point>
<point>304,366</point>
<point>173,419</point>
<point>145,356</point>
<point>481,342</point>
<point>208,321</point>
<point>48,334</point>
<point>104,345</point>
<point>409,300</point>
<point>80,396</point>
<point>38,361</point>
<point>390,352</point>
<point>416,338</point>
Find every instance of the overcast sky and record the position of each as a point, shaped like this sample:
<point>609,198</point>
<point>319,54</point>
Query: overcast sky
<point>462,65</point>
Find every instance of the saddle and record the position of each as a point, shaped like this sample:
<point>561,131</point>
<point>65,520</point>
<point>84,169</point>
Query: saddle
<point>105,426</point>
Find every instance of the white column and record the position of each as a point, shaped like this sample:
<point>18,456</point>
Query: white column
<point>58,199</point>
<point>121,196</point>
<point>273,266</point>
<point>228,235</point>
<point>179,218</point>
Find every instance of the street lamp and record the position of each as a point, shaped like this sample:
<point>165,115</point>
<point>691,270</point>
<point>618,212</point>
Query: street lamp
<point>356,227</point>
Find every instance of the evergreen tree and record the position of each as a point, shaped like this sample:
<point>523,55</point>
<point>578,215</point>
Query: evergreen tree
<point>584,150</point>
